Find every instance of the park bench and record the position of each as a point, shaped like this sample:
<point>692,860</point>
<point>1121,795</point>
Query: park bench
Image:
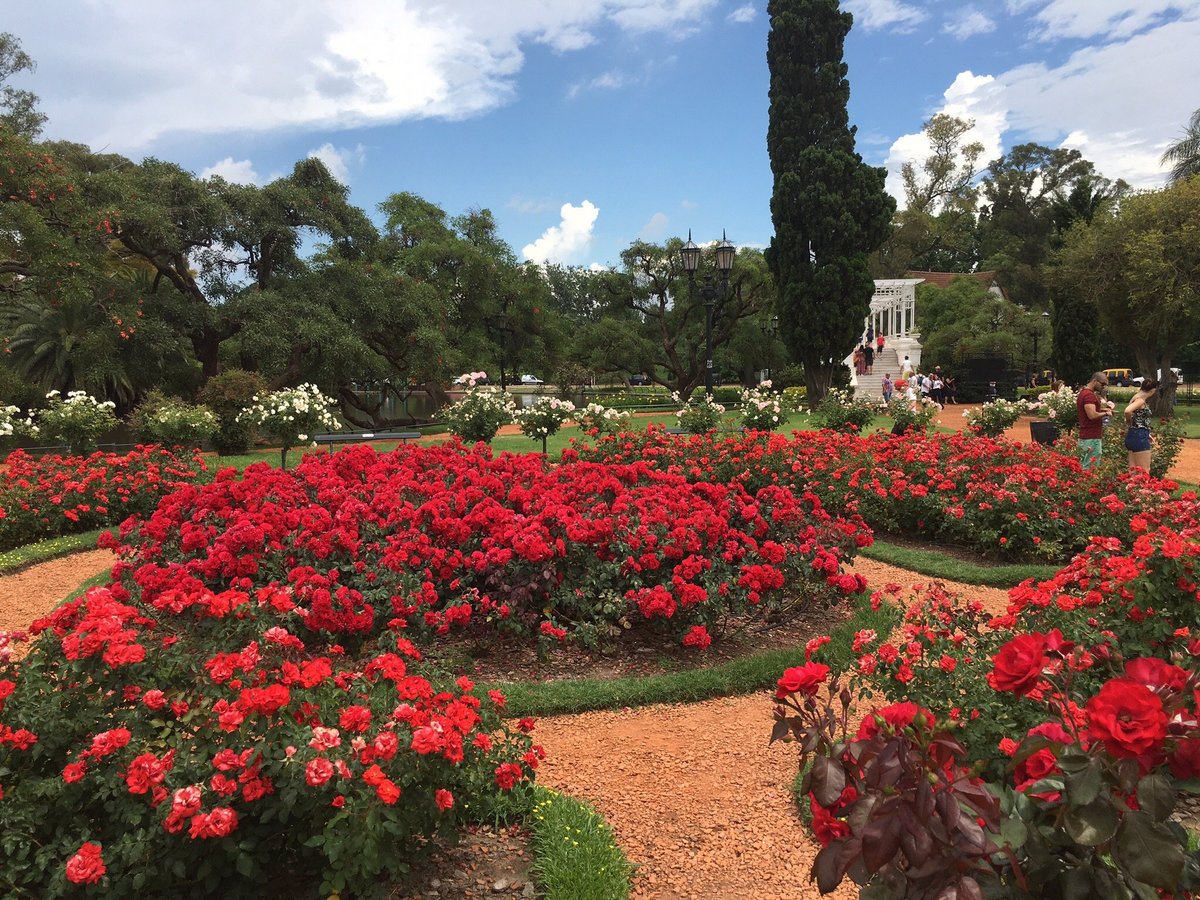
<point>358,437</point>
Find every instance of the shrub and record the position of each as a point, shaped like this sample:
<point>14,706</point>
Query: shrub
<point>227,394</point>
<point>761,409</point>
<point>480,413</point>
<point>794,397</point>
<point>1059,407</point>
<point>910,419</point>
<point>292,415</point>
<point>698,415</point>
<point>78,421</point>
<point>840,410</point>
<point>600,419</point>
<point>726,395</point>
<point>544,418</point>
<point>172,422</point>
<point>995,418</point>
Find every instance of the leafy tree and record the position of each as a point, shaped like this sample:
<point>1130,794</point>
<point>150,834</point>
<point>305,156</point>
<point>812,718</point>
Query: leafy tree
<point>1184,154</point>
<point>18,108</point>
<point>829,208</point>
<point>965,320</point>
<point>1140,266</point>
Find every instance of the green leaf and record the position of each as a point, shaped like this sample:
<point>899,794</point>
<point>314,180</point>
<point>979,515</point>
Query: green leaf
<point>1148,851</point>
<point>1013,833</point>
<point>1092,823</point>
<point>1083,785</point>
<point>1156,797</point>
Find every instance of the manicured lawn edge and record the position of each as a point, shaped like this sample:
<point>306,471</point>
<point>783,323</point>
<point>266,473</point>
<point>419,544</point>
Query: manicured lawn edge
<point>21,557</point>
<point>575,854</point>
<point>740,676</point>
<point>929,561</point>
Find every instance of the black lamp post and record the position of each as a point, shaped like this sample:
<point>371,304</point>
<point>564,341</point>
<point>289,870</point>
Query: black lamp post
<point>1036,336</point>
<point>772,331</point>
<point>708,292</point>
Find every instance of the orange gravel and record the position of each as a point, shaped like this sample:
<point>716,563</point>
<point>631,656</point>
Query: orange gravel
<point>35,591</point>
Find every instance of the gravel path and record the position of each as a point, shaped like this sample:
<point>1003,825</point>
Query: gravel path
<point>35,591</point>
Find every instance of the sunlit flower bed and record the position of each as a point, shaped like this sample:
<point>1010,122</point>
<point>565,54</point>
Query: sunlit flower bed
<point>54,495</point>
<point>248,699</point>
<point>993,495</point>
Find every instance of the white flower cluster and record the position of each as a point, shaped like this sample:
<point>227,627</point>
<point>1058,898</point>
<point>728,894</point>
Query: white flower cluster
<point>1059,406</point>
<point>292,414</point>
<point>761,408</point>
<point>82,399</point>
<point>8,420</point>
<point>603,419</point>
<point>544,417</point>
<point>180,416</point>
<point>479,414</point>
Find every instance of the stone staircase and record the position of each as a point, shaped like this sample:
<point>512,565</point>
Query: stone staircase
<point>869,385</point>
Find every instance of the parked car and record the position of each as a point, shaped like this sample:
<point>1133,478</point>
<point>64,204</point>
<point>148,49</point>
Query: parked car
<point>639,378</point>
<point>1178,376</point>
<point>531,379</point>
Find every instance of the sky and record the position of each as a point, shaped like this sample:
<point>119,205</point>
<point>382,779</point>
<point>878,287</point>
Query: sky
<point>584,125</point>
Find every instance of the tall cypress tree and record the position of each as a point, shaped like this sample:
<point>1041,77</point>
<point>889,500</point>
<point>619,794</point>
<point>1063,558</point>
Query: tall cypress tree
<point>829,208</point>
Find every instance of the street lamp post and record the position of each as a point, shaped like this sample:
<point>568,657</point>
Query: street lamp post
<point>1036,336</point>
<point>690,254</point>
<point>772,331</point>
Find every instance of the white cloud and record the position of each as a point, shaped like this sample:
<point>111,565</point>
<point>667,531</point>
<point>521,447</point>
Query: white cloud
<point>526,206</point>
<point>743,14</point>
<point>302,63</point>
<point>873,14</point>
<point>689,204</point>
<point>1104,18</point>
<point>1107,101</point>
<point>655,228</point>
<point>965,23</point>
<point>236,171</point>
<point>567,241</point>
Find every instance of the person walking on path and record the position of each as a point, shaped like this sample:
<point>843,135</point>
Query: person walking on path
<point>1092,412</point>
<point>860,361</point>
<point>906,367</point>
<point>869,356</point>
<point>879,342</point>
<point>1137,418</point>
<point>887,387</point>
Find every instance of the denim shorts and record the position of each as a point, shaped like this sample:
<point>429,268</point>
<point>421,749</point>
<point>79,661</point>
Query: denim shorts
<point>1137,440</point>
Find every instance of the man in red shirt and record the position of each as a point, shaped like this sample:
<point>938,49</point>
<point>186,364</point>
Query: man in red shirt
<point>1092,410</point>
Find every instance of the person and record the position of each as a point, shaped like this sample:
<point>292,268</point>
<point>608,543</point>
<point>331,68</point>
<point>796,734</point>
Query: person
<point>1092,412</point>
<point>1137,418</point>
<point>950,389</point>
<point>869,338</point>
<point>879,342</point>
<point>938,390</point>
<point>869,356</point>
<point>887,387</point>
<point>906,367</point>
<point>860,362</point>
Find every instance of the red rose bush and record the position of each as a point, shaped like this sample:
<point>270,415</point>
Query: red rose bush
<point>1078,708</point>
<point>55,495</point>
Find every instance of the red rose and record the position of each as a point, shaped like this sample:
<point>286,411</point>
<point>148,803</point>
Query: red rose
<point>898,716</point>
<point>824,825</point>
<point>1156,673</point>
<point>1185,762</point>
<point>803,679</point>
<point>1018,665</point>
<point>86,866</point>
<point>318,771</point>
<point>444,799</point>
<point>1128,717</point>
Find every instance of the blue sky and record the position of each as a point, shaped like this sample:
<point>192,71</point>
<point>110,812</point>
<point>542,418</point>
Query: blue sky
<point>586,124</point>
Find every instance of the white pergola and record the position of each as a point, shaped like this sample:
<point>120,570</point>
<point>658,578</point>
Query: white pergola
<point>894,307</point>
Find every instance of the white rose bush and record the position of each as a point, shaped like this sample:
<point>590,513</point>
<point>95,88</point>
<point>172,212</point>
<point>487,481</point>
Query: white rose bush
<point>292,415</point>
<point>761,408</point>
<point>544,418</point>
<point>698,416</point>
<point>604,420</point>
<point>1059,407</point>
<point>481,412</point>
<point>77,421</point>
<point>996,417</point>
<point>172,422</point>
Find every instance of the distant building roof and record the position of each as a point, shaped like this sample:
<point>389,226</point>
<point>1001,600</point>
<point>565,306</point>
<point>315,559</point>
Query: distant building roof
<point>943,279</point>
